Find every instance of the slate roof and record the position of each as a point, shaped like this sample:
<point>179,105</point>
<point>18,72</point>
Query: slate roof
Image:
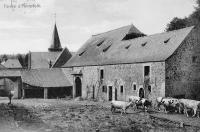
<point>64,56</point>
<point>10,73</point>
<point>45,78</point>
<point>110,48</point>
<point>2,66</point>
<point>12,63</point>
<point>41,59</point>
<point>55,43</point>
<point>2,82</point>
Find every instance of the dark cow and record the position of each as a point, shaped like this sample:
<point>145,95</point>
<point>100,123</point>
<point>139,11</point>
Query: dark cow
<point>145,103</point>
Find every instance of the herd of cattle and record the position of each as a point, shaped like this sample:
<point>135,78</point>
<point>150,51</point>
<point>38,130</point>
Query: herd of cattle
<point>168,103</point>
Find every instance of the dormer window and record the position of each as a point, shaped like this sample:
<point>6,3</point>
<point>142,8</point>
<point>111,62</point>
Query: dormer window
<point>143,44</point>
<point>104,50</point>
<point>127,47</point>
<point>167,40</point>
<point>81,53</point>
<point>132,36</point>
<point>100,43</point>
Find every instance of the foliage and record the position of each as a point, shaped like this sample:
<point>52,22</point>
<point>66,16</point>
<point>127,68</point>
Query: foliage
<point>177,23</point>
<point>192,19</point>
<point>23,59</point>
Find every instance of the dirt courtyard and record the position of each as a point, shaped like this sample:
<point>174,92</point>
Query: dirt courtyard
<point>56,115</point>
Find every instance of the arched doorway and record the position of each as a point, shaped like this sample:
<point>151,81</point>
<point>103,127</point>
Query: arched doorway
<point>141,93</point>
<point>78,86</point>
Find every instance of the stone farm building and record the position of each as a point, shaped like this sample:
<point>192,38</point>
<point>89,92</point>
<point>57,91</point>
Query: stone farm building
<point>112,66</point>
<point>125,61</point>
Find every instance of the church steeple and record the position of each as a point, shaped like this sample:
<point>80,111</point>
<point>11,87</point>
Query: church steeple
<point>55,43</point>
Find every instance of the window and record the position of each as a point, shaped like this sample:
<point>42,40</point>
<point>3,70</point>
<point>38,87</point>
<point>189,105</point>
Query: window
<point>104,89</point>
<point>194,59</point>
<point>121,88</point>
<point>146,70</point>
<point>134,87</point>
<point>149,88</point>
<point>101,74</point>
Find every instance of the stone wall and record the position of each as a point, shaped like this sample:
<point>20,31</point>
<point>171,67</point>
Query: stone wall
<point>183,68</point>
<point>120,75</point>
<point>15,85</point>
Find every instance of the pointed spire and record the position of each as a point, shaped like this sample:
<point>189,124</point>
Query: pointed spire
<point>55,43</point>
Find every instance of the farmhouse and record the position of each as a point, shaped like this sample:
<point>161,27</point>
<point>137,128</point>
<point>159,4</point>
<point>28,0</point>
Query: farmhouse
<point>124,61</point>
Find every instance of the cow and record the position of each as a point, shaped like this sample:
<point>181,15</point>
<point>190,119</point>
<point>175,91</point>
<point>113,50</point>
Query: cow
<point>145,103</point>
<point>190,104</point>
<point>120,105</point>
<point>167,102</point>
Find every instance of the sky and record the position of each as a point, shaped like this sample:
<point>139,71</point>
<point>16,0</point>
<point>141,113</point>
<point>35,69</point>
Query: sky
<point>27,25</point>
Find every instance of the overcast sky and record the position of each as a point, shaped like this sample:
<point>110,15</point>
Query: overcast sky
<point>25,29</point>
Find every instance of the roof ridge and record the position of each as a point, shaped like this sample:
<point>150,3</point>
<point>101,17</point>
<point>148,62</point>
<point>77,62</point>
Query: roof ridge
<point>172,31</point>
<point>113,30</point>
<point>162,33</point>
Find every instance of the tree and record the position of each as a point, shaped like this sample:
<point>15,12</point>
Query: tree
<point>26,61</point>
<point>192,19</point>
<point>177,23</point>
<point>4,57</point>
<point>21,59</point>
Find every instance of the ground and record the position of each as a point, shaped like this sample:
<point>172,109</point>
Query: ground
<point>61,115</point>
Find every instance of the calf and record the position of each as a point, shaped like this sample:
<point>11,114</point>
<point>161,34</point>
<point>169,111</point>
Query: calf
<point>190,104</point>
<point>120,105</point>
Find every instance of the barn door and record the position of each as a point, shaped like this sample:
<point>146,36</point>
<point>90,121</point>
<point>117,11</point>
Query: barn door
<point>78,87</point>
<point>141,93</point>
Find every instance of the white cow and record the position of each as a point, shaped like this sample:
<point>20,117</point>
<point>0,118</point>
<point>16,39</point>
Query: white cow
<point>120,105</point>
<point>190,104</point>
